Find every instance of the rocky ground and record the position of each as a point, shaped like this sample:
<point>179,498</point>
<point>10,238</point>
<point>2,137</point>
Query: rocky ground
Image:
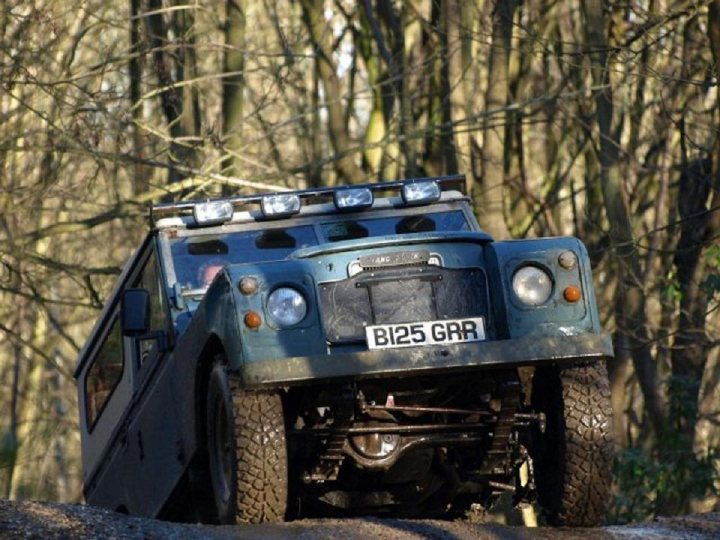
<point>59,521</point>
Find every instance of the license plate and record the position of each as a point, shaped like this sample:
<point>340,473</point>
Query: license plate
<point>391,336</point>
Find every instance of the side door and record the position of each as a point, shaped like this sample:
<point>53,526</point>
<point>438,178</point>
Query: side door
<point>105,375</point>
<point>127,419</point>
<point>155,431</point>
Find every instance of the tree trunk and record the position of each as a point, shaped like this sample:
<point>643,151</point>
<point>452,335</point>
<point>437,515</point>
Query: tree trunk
<point>488,191</point>
<point>135,79</point>
<point>315,171</point>
<point>9,444</point>
<point>233,85</point>
<point>321,38</point>
<point>630,314</point>
<point>459,61</point>
<point>396,63</point>
<point>700,231</point>
<point>439,157</point>
<point>376,130</point>
<point>179,104</point>
<point>690,346</point>
<point>714,35</point>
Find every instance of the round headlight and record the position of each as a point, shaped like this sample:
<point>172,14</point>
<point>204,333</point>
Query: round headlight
<point>286,306</point>
<point>532,285</point>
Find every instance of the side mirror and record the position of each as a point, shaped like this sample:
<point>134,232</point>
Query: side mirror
<point>135,312</point>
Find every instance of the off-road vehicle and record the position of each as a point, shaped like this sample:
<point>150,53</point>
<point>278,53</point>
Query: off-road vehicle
<point>351,350</point>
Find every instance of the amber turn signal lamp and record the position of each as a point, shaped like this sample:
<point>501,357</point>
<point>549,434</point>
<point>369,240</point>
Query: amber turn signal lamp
<point>252,320</point>
<point>572,294</point>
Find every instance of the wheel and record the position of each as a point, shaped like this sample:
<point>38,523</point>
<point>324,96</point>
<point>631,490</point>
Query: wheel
<point>246,450</point>
<point>573,457</point>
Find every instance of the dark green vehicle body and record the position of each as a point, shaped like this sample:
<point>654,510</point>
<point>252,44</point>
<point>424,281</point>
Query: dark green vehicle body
<point>142,394</point>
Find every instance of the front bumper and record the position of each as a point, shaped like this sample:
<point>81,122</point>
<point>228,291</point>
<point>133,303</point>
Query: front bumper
<point>428,360</point>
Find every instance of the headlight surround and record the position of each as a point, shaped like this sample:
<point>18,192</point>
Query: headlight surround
<point>286,306</point>
<point>532,285</point>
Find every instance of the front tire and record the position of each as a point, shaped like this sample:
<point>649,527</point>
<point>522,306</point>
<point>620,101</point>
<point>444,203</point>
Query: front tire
<point>573,458</point>
<point>247,451</point>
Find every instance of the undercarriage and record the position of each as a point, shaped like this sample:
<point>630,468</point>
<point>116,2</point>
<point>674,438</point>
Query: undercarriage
<point>416,446</point>
<point>413,447</point>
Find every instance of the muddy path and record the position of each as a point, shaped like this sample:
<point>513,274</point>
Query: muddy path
<point>60,521</point>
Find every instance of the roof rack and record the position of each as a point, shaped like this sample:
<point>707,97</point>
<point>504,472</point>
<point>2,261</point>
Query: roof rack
<point>186,207</point>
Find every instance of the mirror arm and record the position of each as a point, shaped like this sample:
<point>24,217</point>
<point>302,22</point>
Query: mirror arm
<point>160,337</point>
<point>177,297</point>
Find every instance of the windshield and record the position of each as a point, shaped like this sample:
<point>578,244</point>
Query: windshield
<point>337,231</point>
<point>198,258</point>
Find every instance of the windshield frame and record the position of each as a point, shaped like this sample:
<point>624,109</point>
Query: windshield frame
<point>315,220</point>
<point>168,236</point>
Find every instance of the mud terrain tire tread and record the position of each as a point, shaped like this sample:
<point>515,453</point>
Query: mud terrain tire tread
<point>260,447</point>
<point>573,463</point>
<point>247,453</point>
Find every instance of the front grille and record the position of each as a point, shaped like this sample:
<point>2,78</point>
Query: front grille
<point>400,295</point>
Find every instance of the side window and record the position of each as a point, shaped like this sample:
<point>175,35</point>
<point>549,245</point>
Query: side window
<point>150,280</point>
<point>104,374</point>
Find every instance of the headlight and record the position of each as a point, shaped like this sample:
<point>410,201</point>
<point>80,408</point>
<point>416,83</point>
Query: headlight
<point>286,306</point>
<point>532,285</point>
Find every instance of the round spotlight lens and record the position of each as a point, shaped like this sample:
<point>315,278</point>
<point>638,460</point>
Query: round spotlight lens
<point>568,260</point>
<point>286,306</point>
<point>532,285</point>
<point>248,285</point>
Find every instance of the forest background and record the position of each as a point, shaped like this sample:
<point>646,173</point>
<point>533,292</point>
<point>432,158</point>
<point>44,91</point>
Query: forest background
<point>582,117</point>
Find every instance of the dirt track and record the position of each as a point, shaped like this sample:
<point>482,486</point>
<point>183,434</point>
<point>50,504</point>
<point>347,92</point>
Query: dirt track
<point>55,521</point>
